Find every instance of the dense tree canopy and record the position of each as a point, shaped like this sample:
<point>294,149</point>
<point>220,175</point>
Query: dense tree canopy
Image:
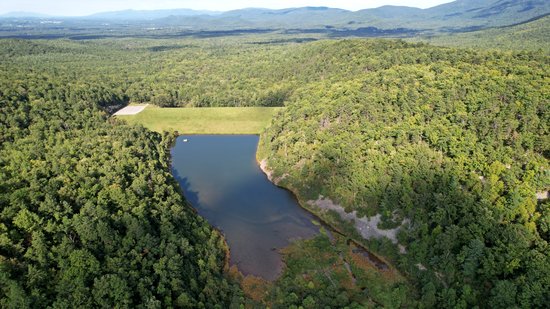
<point>89,213</point>
<point>456,141</point>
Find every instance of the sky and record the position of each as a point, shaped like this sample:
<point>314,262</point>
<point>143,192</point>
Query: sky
<point>86,7</point>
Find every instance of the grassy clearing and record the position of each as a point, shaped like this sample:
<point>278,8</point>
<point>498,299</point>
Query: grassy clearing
<point>206,120</point>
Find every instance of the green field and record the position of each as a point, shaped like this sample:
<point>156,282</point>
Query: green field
<point>205,120</point>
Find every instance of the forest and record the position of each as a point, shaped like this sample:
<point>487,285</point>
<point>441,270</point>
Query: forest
<point>454,140</point>
<point>90,214</point>
<point>531,35</point>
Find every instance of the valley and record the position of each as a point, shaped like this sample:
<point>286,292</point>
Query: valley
<point>277,158</point>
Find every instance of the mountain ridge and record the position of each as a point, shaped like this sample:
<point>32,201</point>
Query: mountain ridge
<point>457,16</point>
<point>151,14</point>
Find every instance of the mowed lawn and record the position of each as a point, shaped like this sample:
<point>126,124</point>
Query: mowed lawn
<point>205,120</point>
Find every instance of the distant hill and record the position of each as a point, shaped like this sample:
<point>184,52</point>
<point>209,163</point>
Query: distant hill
<point>532,35</point>
<point>23,14</point>
<point>149,14</point>
<point>304,17</point>
<point>389,21</point>
<point>391,11</point>
<point>461,15</point>
<point>488,12</point>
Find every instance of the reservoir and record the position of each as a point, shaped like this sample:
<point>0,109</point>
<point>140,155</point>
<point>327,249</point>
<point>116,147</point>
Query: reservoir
<point>220,177</point>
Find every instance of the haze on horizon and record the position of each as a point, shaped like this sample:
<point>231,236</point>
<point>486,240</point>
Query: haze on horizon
<point>88,7</point>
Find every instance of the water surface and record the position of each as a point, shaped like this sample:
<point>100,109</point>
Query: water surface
<point>220,177</point>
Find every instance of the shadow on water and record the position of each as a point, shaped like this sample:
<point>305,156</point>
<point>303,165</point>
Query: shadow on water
<point>190,195</point>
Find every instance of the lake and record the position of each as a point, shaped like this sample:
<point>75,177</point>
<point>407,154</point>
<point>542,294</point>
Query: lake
<point>220,177</point>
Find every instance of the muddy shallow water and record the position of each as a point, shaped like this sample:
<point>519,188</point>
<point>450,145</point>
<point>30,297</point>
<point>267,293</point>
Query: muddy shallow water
<point>220,177</point>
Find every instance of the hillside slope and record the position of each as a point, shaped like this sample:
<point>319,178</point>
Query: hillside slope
<point>489,12</point>
<point>452,144</point>
<point>532,35</point>
<point>90,215</point>
<point>459,15</point>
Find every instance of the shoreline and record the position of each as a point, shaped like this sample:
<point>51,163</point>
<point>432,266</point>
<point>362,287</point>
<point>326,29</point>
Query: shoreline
<point>172,139</point>
<point>305,205</point>
<point>262,164</point>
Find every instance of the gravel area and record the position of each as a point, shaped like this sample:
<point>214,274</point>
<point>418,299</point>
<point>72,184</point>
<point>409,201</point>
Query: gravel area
<point>131,110</point>
<point>367,227</point>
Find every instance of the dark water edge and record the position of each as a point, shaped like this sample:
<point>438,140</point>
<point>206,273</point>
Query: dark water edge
<point>329,230</point>
<point>220,177</point>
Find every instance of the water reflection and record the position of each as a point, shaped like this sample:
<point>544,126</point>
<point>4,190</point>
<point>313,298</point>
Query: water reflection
<point>220,178</point>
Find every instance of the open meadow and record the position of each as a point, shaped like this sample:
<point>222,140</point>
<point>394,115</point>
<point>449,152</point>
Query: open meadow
<point>211,120</point>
